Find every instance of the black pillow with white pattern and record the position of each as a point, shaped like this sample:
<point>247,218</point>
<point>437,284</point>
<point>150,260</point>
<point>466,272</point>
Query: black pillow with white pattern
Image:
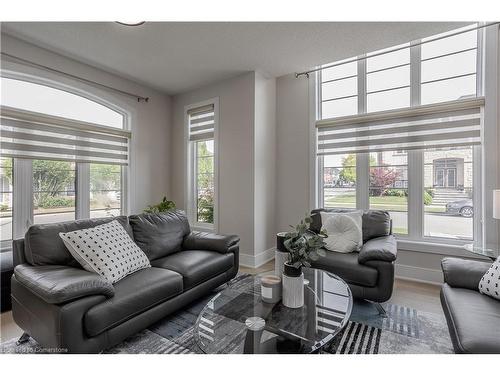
<point>489,283</point>
<point>107,250</point>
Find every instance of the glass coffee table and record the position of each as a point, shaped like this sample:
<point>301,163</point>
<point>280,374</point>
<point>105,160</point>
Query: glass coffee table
<point>236,320</point>
<point>490,252</point>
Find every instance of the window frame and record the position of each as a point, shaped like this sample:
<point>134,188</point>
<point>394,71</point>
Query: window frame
<point>22,207</point>
<point>415,239</point>
<point>191,198</point>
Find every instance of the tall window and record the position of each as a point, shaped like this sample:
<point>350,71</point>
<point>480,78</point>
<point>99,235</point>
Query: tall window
<point>105,190</point>
<point>205,174</point>
<point>201,125</point>
<point>71,150</point>
<point>448,178</point>
<point>448,68</point>
<point>388,189</point>
<point>388,80</point>
<point>339,181</point>
<point>53,191</point>
<point>433,154</point>
<point>339,91</point>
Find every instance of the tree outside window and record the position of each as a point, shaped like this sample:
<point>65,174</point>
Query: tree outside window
<point>205,181</point>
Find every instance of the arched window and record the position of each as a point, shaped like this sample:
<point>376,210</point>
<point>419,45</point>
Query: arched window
<point>55,102</point>
<point>70,149</point>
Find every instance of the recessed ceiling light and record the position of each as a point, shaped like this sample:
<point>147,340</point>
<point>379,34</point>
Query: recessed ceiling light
<point>131,23</point>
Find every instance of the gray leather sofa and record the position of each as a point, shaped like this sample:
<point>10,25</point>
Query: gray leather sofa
<point>369,273</point>
<point>61,305</point>
<point>473,318</point>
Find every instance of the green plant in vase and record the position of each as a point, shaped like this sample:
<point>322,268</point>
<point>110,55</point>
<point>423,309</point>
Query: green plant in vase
<point>304,245</point>
<point>164,206</point>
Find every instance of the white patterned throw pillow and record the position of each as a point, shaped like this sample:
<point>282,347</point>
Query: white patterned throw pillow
<point>489,283</point>
<point>344,234</point>
<point>107,250</point>
<point>356,215</point>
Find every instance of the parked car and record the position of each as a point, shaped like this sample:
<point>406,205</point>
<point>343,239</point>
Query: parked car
<point>462,207</point>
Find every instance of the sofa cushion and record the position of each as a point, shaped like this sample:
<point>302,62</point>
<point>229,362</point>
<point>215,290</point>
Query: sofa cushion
<point>43,246</point>
<point>196,266</point>
<point>134,294</point>
<point>159,235</point>
<point>473,320</point>
<point>347,267</point>
<point>376,223</point>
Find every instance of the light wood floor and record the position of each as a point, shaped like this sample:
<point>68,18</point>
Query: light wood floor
<point>420,296</point>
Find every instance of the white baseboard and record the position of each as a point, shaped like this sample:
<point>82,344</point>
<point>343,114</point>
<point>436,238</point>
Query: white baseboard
<point>420,274</point>
<point>254,261</point>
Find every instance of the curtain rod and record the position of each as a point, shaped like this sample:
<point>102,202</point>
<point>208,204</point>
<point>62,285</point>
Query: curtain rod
<point>27,62</point>
<point>306,73</point>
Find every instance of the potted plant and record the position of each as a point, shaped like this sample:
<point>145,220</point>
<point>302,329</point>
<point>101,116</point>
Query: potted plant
<point>164,206</point>
<point>304,246</point>
<point>281,254</point>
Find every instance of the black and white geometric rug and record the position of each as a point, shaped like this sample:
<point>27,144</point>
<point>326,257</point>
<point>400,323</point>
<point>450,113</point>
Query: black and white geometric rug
<point>403,331</point>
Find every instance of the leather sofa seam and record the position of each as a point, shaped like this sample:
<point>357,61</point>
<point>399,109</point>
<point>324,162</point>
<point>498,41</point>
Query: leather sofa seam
<point>138,312</point>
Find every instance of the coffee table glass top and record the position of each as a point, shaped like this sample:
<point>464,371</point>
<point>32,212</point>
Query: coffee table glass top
<point>236,320</point>
<point>489,252</point>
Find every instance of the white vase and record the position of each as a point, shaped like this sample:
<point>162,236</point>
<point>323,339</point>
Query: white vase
<point>293,291</point>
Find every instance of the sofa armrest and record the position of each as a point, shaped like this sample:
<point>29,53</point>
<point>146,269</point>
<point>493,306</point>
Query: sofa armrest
<point>210,241</point>
<point>384,248</point>
<point>463,273</point>
<point>58,284</point>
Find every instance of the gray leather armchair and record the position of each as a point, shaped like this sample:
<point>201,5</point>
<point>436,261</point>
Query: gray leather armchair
<point>473,318</point>
<point>66,308</point>
<point>369,273</point>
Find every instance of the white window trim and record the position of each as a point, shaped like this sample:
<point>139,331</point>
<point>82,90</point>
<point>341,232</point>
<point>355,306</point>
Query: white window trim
<point>22,206</point>
<point>189,199</point>
<point>485,229</point>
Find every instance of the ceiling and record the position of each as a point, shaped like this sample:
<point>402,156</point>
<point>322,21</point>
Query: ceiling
<point>178,57</point>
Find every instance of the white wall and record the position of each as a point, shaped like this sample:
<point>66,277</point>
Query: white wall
<point>150,122</point>
<point>236,154</point>
<point>264,169</point>
<point>292,151</point>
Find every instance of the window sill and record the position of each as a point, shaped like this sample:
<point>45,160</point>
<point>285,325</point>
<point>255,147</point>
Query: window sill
<point>435,248</point>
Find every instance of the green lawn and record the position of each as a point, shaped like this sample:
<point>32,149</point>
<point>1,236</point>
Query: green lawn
<point>397,230</point>
<point>385,202</point>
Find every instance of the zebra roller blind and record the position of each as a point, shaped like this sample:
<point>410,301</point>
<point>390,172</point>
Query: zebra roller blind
<point>201,123</point>
<point>33,135</point>
<point>456,123</point>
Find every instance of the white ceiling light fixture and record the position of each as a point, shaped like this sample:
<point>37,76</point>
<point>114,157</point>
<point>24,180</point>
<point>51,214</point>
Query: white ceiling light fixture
<point>131,23</point>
